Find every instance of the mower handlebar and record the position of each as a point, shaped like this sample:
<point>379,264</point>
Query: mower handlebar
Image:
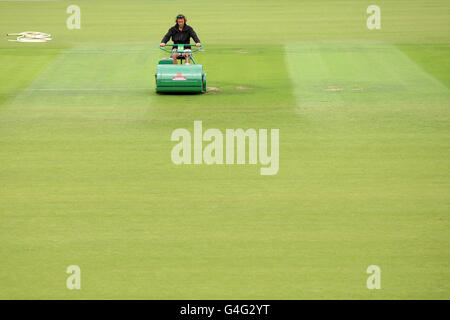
<point>176,45</point>
<point>179,44</point>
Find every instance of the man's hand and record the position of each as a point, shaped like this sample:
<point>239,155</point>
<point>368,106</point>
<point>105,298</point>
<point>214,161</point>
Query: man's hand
<point>162,44</point>
<point>198,44</point>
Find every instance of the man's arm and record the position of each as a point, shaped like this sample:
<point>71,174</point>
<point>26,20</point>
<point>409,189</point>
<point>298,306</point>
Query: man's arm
<point>194,35</point>
<point>167,36</point>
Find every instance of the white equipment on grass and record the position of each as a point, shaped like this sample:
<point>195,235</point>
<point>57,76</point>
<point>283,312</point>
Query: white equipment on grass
<point>31,36</point>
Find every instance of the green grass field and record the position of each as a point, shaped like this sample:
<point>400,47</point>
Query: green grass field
<point>86,176</point>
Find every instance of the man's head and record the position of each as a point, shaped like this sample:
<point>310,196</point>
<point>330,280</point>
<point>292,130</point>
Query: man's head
<point>181,20</point>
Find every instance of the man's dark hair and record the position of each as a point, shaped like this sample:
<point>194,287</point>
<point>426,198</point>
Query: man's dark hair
<point>181,16</point>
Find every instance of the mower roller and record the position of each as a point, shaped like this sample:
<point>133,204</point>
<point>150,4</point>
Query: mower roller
<point>172,77</point>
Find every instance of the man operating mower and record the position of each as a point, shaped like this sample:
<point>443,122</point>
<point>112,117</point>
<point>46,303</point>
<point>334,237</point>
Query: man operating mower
<point>180,34</point>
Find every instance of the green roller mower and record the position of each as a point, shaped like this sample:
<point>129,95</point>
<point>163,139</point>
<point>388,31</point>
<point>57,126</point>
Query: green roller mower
<point>172,77</point>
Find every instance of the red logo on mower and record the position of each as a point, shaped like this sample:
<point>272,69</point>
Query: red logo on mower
<point>179,77</point>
